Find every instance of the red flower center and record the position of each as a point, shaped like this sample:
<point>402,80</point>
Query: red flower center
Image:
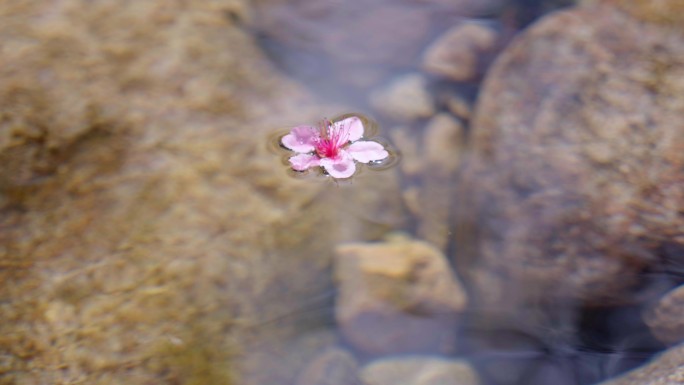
<point>331,140</point>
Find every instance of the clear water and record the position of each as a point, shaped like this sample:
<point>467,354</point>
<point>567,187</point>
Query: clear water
<point>570,344</point>
<point>189,255</point>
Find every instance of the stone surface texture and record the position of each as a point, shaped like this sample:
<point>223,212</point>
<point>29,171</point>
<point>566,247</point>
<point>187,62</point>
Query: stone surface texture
<point>666,318</point>
<point>576,171</point>
<point>459,54</point>
<point>664,12</point>
<point>419,370</point>
<point>147,232</point>
<point>406,98</point>
<point>432,153</point>
<point>442,152</point>
<point>396,297</point>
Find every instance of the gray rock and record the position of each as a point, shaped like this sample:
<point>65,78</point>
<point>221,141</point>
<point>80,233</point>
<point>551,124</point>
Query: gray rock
<point>396,297</point>
<point>419,370</point>
<point>333,367</point>
<point>666,369</point>
<point>457,55</point>
<point>666,318</point>
<point>576,176</point>
<point>406,98</point>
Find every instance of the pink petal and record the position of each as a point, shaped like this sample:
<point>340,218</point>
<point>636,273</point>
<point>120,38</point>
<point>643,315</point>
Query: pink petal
<point>340,167</point>
<point>303,162</point>
<point>300,139</point>
<point>367,151</point>
<point>353,126</point>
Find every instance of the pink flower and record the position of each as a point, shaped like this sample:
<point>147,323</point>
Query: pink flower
<point>335,146</point>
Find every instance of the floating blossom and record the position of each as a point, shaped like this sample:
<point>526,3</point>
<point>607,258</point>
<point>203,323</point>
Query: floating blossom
<point>335,146</point>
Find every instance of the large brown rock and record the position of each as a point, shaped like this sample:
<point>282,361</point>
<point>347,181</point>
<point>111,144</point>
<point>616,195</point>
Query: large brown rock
<point>576,176</point>
<point>147,233</point>
<point>396,297</point>
<point>665,12</point>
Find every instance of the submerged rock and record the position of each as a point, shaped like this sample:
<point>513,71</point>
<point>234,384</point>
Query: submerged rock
<point>666,369</point>
<point>333,367</point>
<point>147,233</point>
<point>396,297</point>
<point>443,144</point>
<point>664,12</point>
<point>458,105</point>
<point>436,192</point>
<point>666,318</point>
<point>576,176</point>
<point>459,54</point>
<point>406,98</point>
<point>419,370</point>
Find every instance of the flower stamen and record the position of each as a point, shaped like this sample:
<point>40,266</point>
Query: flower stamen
<point>331,139</point>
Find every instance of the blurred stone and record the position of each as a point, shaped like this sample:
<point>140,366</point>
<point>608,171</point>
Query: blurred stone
<point>136,188</point>
<point>435,198</point>
<point>442,146</point>
<point>665,369</point>
<point>666,12</point>
<point>443,143</point>
<point>576,175</point>
<point>406,98</point>
<point>304,356</point>
<point>457,55</point>
<point>431,164</point>
<point>419,370</point>
<point>42,116</point>
<point>666,318</point>
<point>407,141</point>
<point>372,204</point>
<point>411,196</point>
<point>333,367</point>
<point>458,106</point>
<point>396,297</point>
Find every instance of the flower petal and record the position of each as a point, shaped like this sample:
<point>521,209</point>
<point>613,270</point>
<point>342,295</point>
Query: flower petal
<point>300,139</point>
<point>340,167</point>
<point>302,162</point>
<point>367,151</point>
<point>353,126</point>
